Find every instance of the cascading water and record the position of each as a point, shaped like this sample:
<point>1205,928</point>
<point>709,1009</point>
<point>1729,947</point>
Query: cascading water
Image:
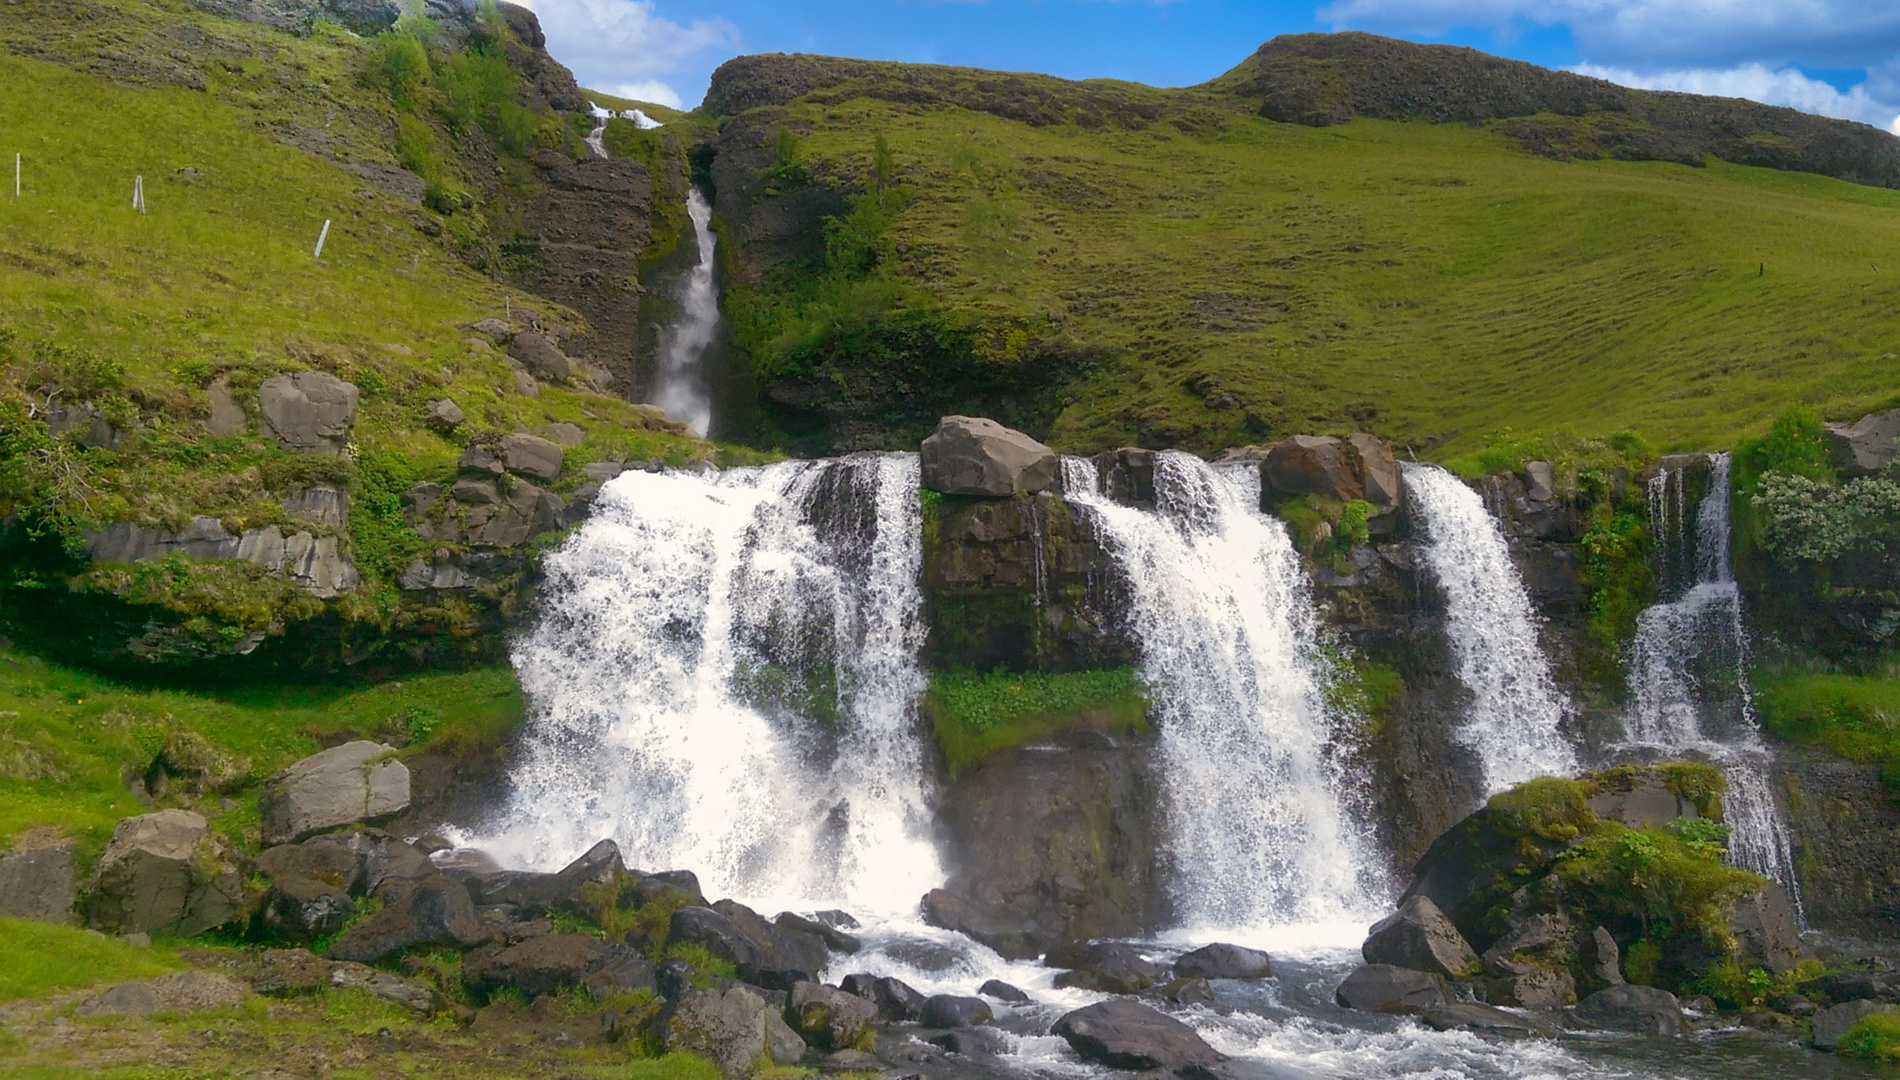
<point>680,387</point>
<point>1516,721</point>
<point>1689,664</point>
<point>1259,830</point>
<point>724,680</point>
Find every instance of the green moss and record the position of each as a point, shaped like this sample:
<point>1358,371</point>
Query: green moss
<point>1616,570</point>
<point>676,1066</point>
<point>1697,781</point>
<point>1549,807</point>
<point>975,715</point>
<point>42,958</point>
<point>1876,1038</point>
<point>705,965</point>
<point>1368,690</point>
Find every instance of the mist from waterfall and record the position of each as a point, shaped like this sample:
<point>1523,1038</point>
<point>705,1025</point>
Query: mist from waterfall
<point>1258,807</point>
<point>724,679</point>
<point>1515,725</point>
<point>1688,670</point>
<point>681,383</point>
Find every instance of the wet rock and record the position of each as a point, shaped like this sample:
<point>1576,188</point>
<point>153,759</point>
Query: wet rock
<point>728,1028</point>
<point>443,415</point>
<point>227,416</point>
<point>1384,988</point>
<point>1832,1024</point>
<point>36,878</point>
<point>1222,961</point>
<point>432,911</point>
<point>1003,991</point>
<point>417,997</point>
<point>827,1017</point>
<point>976,456</point>
<point>540,965</point>
<point>358,781</point>
<point>163,873</point>
<point>1766,934</point>
<point>1642,1010</point>
<point>1126,1034</point>
<point>834,938</point>
<point>540,355</point>
<point>716,934</point>
<point>972,1042</point>
<point>895,999</point>
<point>1646,803</point>
<point>1128,475</point>
<point>1528,966</point>
<point>1107,968</point>
<point>955,1011</point>
<point>1184,991</point>
<point>1419,936</point>
<point>1865,447</point>
<point>1014,939</point>
<point>1484,1019</point>
<point>535,894</point>
<point>793,953</point>
<point>683,883</point>
<point>1840,986</point>
<point>847,1061</point>
<point>309,412</point>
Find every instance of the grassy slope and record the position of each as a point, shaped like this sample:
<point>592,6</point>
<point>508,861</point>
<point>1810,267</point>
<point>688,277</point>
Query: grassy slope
<point>1433,283</point>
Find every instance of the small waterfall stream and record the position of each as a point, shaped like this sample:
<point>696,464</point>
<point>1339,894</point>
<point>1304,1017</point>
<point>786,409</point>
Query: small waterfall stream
<point>1259,827</point>
<point>681,387</point>
<point>1688,671</point>
<point>1517,712</point>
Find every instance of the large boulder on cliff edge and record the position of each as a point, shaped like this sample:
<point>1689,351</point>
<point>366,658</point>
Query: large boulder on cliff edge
<point>971,455</point>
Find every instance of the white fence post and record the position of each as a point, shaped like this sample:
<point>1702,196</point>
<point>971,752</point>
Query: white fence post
<point>16,175</point>
<point>321,237</point>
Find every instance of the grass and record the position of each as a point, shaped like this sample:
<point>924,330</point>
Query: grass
<point>1434,284</point>
<point>43,958</point>
<point>1854,716</point>
<point>1877,1038</point>
<point>974,715</point>
<point>70,740</point>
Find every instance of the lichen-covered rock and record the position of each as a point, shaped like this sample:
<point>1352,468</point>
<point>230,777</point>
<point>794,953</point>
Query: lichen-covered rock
<point>36,878</point>
<point>309,412</point>
<point>1419,936</point>
<point>971,455</point>
<point>827,1017</point>
<point>163,873</point>
<point>357,782</point>
<point>728,1028</point>
<point>1530,965</point>
<point>1126,1034</point>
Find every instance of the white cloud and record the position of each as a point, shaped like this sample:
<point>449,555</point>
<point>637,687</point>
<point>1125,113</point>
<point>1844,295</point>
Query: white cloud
<point>625,46</point>
<point>1758,82</point>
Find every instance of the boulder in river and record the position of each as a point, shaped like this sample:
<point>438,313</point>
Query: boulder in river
<point>1105,967</point>
<point>955,1011</point>
<point>827,1017</point>
<point>1832,1024</point>
<point>1419,936</point>
<point>1223,961</point>
<point>972,455</point>
<point>1640,1010</point>
<point>1384,988</point>
<point>1126,1034</point>
<point>1003,991</point>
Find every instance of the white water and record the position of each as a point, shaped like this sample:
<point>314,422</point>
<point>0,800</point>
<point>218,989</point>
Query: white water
<point>680,387</point>
<point>1517,712</point>
<point>1259,833</point>
<point>679,598</point>
<point>597,139</point>
<point>1688,671</point>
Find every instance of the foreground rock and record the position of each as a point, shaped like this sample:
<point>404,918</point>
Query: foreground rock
<point>432,911</point>
<point>1384,988</point>
<point>164,873</point>
<point>1221,961</point>
<point>1831,1025</point>
<point>731,1029</point>
<point>1126,1034</point>
<point>315,884</point>
<point>550,963</point>
<point>970,455</point>
<point>1641,1010</point>
<point>1419,936</point>
<point>36,878</point>
<point>895,999</point>
<point>358,781</point>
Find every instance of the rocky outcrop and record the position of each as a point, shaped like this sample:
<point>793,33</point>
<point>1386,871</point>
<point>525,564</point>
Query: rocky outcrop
<point>1865,447</point>
<point>359,781</point>
<point>973,455</point>
<point>1053,843</point>
<point>309,412</point>
<point>729,1028</point>
<point>318,563</point>
<point>526,893</point>
<point>1845,829</point>
<point>1022,583</point>
<point>443,415</point>
<point>366,17</point>
<point>1125,1034</point>
<point>36,878</point>
<point>550,963</point>
<point>1359,466</point>
<point>163,873</point>
<point>433,910</point>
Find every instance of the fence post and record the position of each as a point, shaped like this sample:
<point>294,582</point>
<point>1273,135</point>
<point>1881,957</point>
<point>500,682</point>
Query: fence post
<point>321,237</point>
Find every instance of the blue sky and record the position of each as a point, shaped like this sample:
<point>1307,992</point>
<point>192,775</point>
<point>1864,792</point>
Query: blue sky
<point>1836,57</point>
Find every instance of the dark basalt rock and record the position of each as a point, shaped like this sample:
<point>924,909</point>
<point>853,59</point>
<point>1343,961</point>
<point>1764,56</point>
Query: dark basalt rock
<point>954,1011</point>
<point>543,965</point>
<point>834,938</point>
<point>1384,988</point>
<point>1125,1034</point>
<point>430,911</point>
<point>972,1042</point>
<point>1419,936</point>
<point>827,1017</point>
<point>1470,1016</point>
<point>534,894</point>
<point>1223,961</point>
<point>1643,1010</point>
<point>1002,991</point>
<point>1105,967</point>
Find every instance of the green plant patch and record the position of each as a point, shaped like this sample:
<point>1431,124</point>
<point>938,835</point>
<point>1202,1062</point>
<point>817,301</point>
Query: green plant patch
<point>42,958</point>
<point>1854,716</point>
<point>1877,1038</point>
<point>974,715</point>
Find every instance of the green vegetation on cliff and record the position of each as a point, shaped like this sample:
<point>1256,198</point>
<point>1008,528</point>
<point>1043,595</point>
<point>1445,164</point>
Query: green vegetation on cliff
<point>974,715</point>
<point>1855,716</point>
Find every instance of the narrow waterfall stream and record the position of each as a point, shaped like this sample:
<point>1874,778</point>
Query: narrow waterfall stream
<point>682,386</point>
<point>1516,721</point>
<point>1259,825</point>
<point>1688,672</point>
<point>725,679</point>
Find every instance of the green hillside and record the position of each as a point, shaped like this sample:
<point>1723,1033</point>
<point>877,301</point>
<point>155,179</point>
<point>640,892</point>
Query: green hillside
<point>1225,278</point>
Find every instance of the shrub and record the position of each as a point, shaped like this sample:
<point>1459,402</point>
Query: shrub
<point>415,147</point>
<point>1803,518</point>
<point>1617,572</point>
<point>1351,529</point>
<point>402,65</point>
<point>1794,444</point>
<point>474,84</point>
<point>1656,884</point>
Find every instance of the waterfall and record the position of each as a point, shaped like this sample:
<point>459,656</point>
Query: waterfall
<point>1688,672</point>
<point>1259,831</point>
<point>1517,712</point>
<point>724,679</point>
<point>680,386</point>
<point>597,138</point>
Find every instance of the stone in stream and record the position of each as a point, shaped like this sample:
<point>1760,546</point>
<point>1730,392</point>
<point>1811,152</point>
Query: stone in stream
<point>833,937</point>
<point>896,999</point>
<point>1184,991</point>
<point>1003,991</point>
<point>972,1042</point>
<point>971,455</point>
<point>1606,960</point>
<point>827,1017</point>
<point>1384,988</point>
<point>163,873</point>
<point>955,1011</point>
<point>1484,1019</point>
<point>1420,937</point>
<point>1528,965</point>
<point>1126,1034</point>
<point>1831,1025</point>
<point>1222,961</point>
<point>358,781</point>
<point>1641,1010</point>
<point>1105,967</point>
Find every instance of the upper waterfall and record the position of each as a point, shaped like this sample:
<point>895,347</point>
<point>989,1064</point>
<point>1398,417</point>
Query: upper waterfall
<point>1517,712</point>
<point>1259,816</point>
<point>725,680</point>
<point>681,387</point>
